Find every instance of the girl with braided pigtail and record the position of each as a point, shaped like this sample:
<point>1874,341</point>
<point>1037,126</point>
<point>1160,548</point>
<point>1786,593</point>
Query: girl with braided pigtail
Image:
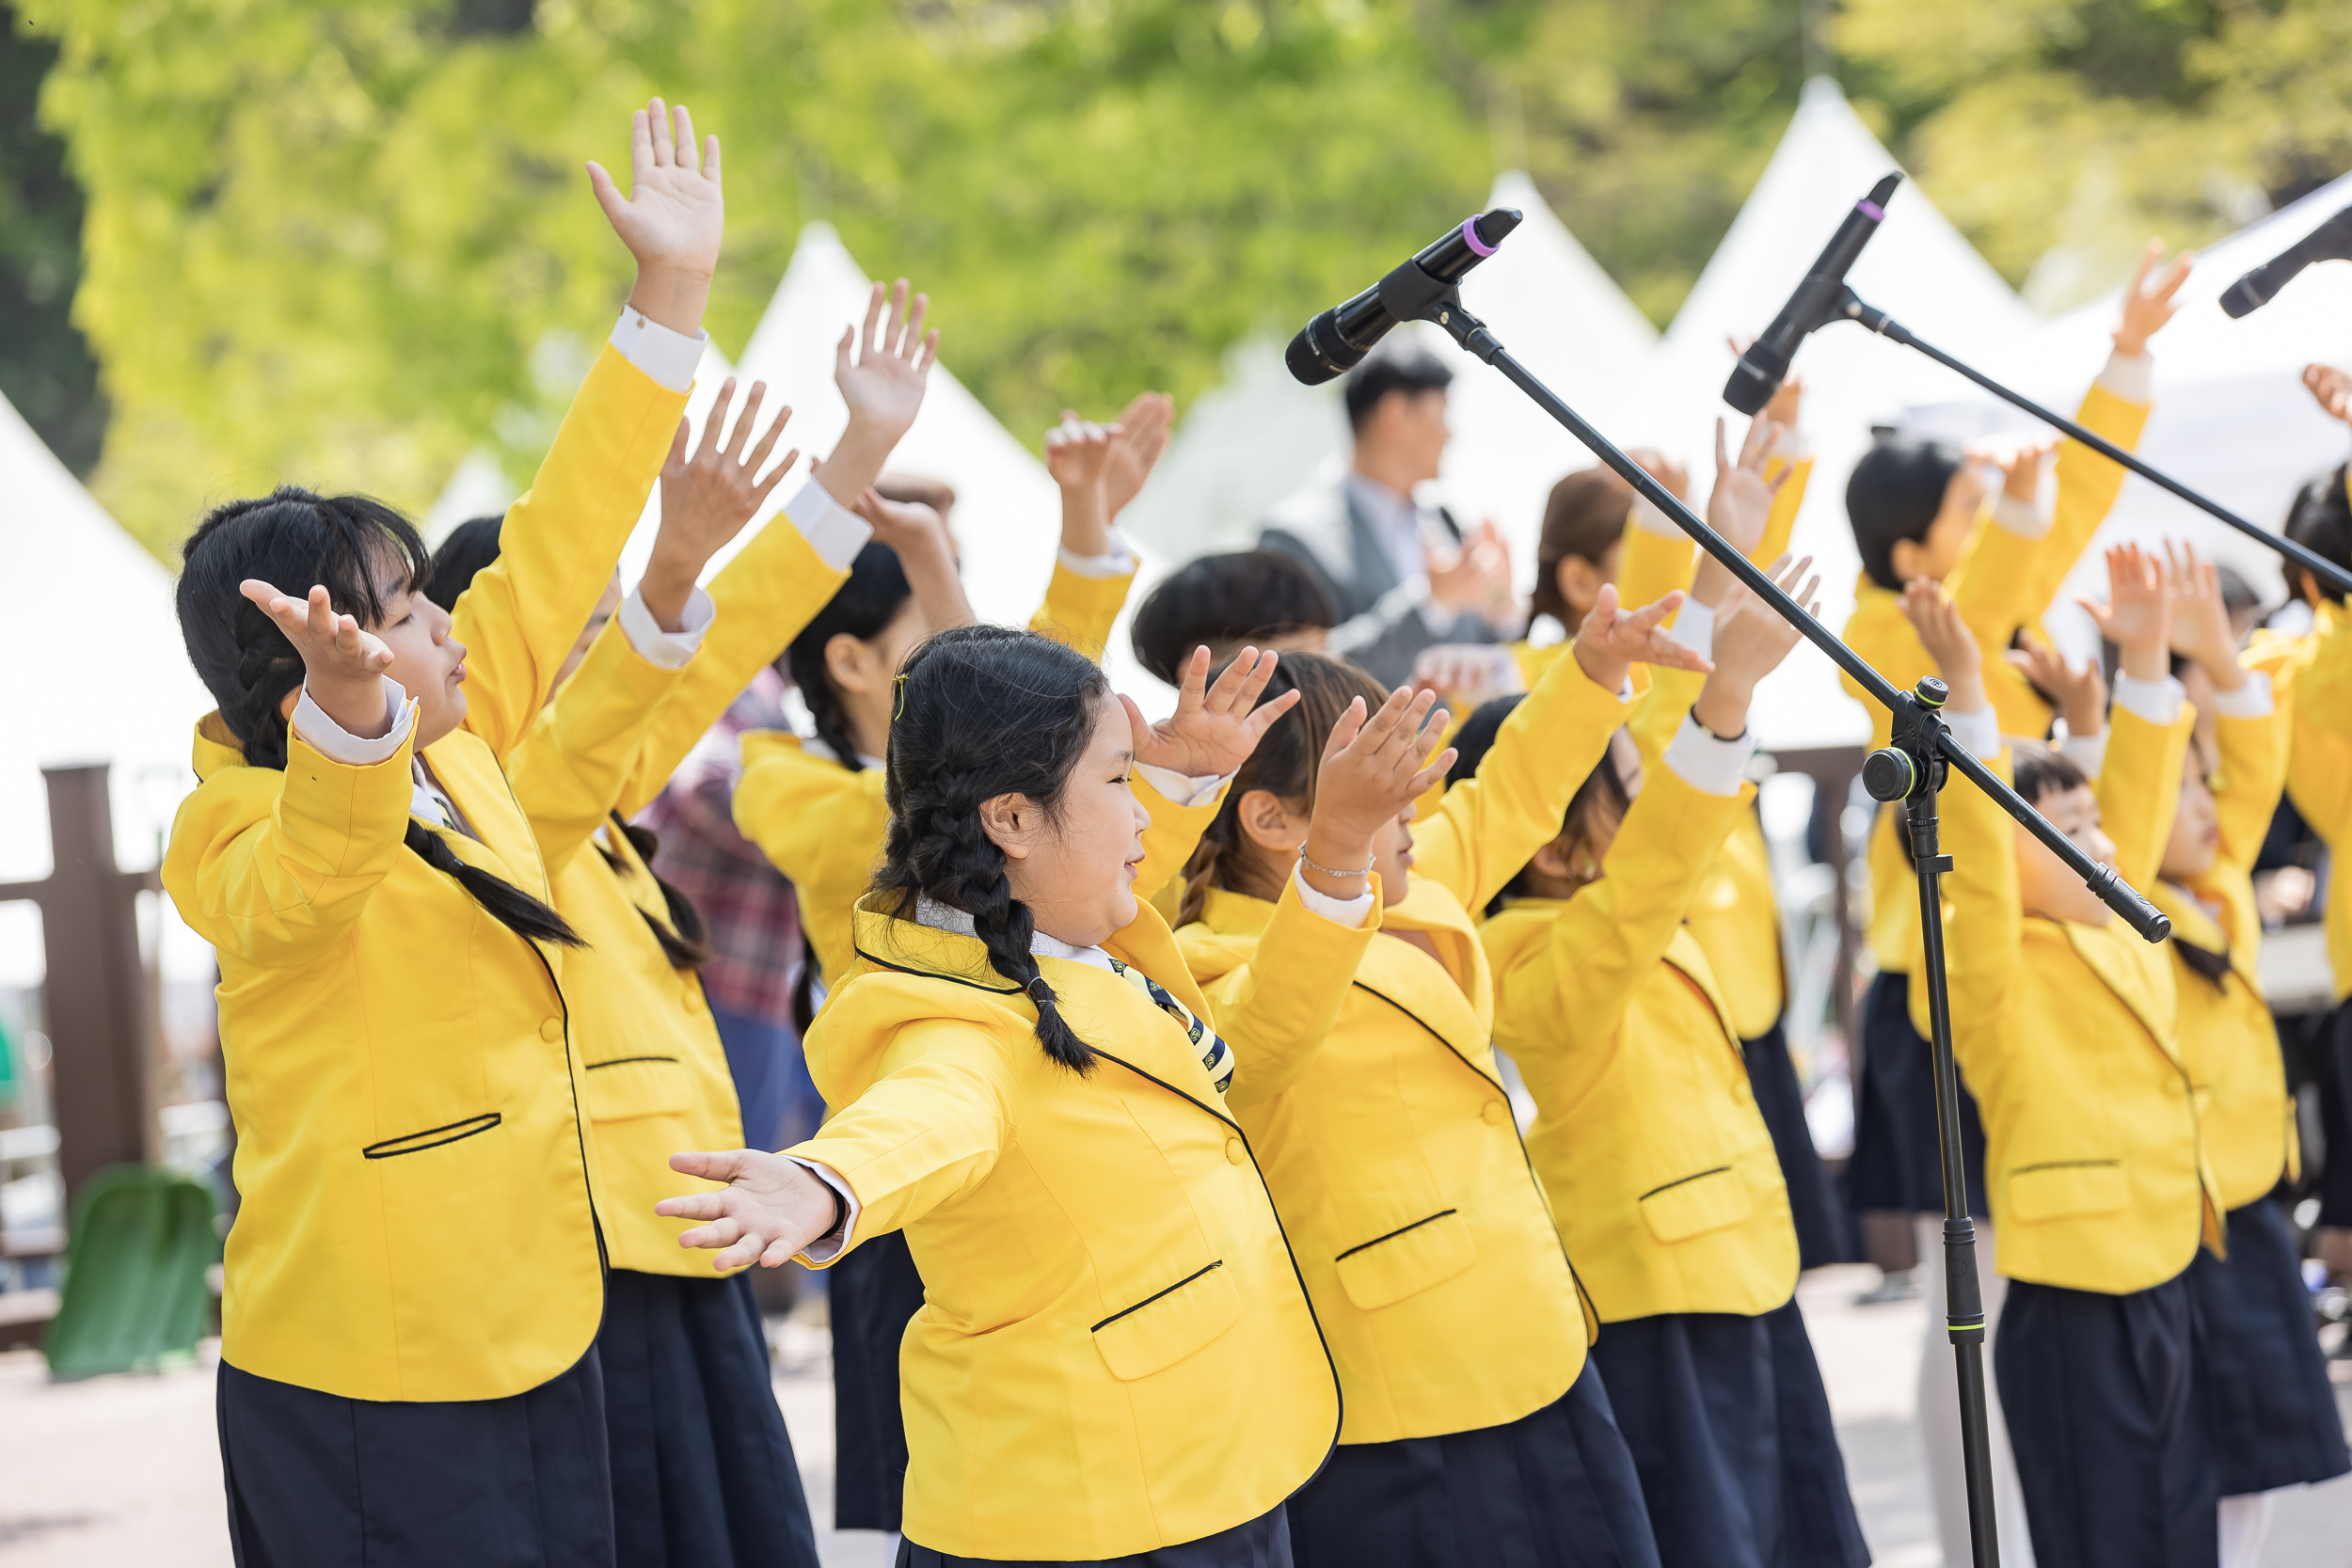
<point>1116,1361</point>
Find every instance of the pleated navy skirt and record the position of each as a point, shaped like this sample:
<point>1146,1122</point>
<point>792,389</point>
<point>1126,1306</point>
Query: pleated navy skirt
<point>703,1474</point>
<point>318,1481</point>
<point>1263,1543</point>
<point>2271,1408</point>
<point>2106,1415</point>
<point>1896,1163</point>
<point>1824,1228</point>
<point>1730,1431</point>
<point>2335,1119</point>
<point>874,1293</point>
<point>1554,1489</point>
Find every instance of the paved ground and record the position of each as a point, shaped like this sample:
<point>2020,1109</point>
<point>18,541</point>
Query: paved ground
<point>126,1470</point>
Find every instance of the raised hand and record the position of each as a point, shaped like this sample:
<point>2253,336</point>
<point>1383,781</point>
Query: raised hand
<point>2331,388</point>
<point>1078,452</point>
<point>1374,766</point>
<point>672,219</point>
<point>881,369</point>
<point>1782,407</point>
<point>2137,617</point>
<point>1948,641</point>
<point>343,665</point>
<point>769,1209</point>
<point>2148,301</point>
<point>927,554</point>
<point>2201,621</point>
<point>1666,471</point>
<point>2080,691</point>
<point>2020,462</point>
<point>1142,434</point>
<point>1751,640</point>
<point>1611,640</point>
<point>1740,505</point>
<point>1213,731</point>
<point>707,497</point>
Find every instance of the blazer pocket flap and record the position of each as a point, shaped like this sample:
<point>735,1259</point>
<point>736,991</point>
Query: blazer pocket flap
<point>1163,1329</point>
<point>1406,1263</point>
<point>1695,1205</point>
<point>637,1087</point>
<point>2057,1191</point>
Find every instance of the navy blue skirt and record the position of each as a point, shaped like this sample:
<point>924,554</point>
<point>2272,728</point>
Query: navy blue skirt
<point>2335,1119</point>
<point>874,1293</point>
<point>1825,1230</point>
<point>1896,1163</point>
<point>2106,1417</point>
<point>1730,1430</point>
<point>2272,1409</point>
<point>1263,1543</point>
<point>318,1481</point>
<point>702,1469</point>
<point>1554,1489</point>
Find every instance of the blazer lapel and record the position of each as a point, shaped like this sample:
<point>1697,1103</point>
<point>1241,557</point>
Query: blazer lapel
<point>1688,958</point>
<point>467,771</point>
<point>2139,973</point>
<point>1402,974</point>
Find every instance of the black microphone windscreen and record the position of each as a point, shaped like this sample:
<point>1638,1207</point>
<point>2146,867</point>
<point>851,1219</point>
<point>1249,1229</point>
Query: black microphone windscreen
<point>1317,357</point>
<point>2242,299</point>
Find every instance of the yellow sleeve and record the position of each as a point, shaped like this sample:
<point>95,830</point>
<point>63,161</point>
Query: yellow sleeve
<point>773,587</point>
<point>1607,939</point>
<point>1652,564</point>
<point>1491,824</point>
<point>1277,1009</point>
<point>559,544</point>
<point>1983,926</point>
<point>2139,790</point>
<point>1660,714</point>
<point>568,771</point>
<point>1174,832</point>
<point>1782,523</point>
<point>927,1131</point>
<point>1078,609</point>
<point>2088,484</point>
<point>1885,639</point>
<point>281,889</point>
<point>2252,774</point>
<point>819,824</point>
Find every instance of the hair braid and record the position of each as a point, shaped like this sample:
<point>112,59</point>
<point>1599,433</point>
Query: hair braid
<point>684,940</point>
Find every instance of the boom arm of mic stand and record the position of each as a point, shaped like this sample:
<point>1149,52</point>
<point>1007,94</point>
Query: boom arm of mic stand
<point>1443,305</point>
<point>1851,307</point>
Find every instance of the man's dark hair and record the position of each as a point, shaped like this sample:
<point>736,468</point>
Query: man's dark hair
<point>1896,491</point>
<point>1410,370</point>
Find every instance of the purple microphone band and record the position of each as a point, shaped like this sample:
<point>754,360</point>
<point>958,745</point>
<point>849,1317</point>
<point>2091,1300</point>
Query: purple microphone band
<point>1870,210</point>
<point>1469,238</point>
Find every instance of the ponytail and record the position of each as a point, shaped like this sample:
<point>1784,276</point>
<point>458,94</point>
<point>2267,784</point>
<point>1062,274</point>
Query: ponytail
<point>875,591</point>
<point>500,899</point>
<point>684,940</point>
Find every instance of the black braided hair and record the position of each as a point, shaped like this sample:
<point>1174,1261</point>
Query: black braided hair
<point>684,940</point>
<point>986,711</point>
<point>296,539</point>
<point>876,590</point>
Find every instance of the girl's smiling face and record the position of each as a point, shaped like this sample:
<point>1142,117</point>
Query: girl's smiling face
<point>427,662</point>
<point>1075,865</point>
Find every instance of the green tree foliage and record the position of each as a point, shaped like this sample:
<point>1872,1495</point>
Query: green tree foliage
<point>46,369</point>
<point>346,241</point>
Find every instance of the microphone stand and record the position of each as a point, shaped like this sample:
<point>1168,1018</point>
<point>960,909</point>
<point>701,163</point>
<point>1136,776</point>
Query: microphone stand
<point>1911,770</point>
<point>1850,306</point>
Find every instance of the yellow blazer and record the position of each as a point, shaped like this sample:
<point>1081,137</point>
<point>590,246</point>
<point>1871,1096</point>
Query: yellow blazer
<point>2311,680</point>
<point>2068,1036</point>
<point>2002,584</point>
<point>822,825</point>
<point>1659,1166</point>
<point>418,1219</point>
<point>1115,1352</point>
<point>1424,1238</point>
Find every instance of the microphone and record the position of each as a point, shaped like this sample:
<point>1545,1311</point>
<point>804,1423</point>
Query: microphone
<point>1333,343</point>
<point>1764,365</point>
<point>2330,242</point>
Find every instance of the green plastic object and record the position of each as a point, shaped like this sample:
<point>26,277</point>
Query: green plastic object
<point>136,1296</point>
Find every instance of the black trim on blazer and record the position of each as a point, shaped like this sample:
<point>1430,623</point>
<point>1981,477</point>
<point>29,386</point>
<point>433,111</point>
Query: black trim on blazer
<point>1155,1296</point>
<point>1679,1180</point>
<point>624,1061</point>
<point>406,1143</point>
<point>1394,1234</point>
<point>935,974</point>
<point>2066,1164</point>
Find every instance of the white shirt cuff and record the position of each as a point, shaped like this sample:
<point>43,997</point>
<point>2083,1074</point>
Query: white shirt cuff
<point>1694,627</point>
<point>1980,732</point>
<point>2157,702</point>
<point>336,744</point>
<point>825,1248</point>
<point>832,531</point>
<point>1120,562</point>
<point>1349,912</point>
<point>2130,376</point>
<point>1182,790</point>
<point>2251,700</point>
<point>665,357</point>
<point>1794,445</point>
<point>666,650</point>
<point>2085,752</point>
<point>2023,518</point>
<point>1707,765</point>
<point>1650,519</point>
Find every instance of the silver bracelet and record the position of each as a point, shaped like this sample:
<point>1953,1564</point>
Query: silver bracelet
<point>1329,872</point>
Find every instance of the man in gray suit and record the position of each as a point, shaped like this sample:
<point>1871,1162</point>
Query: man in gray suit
<point>1402,576</point>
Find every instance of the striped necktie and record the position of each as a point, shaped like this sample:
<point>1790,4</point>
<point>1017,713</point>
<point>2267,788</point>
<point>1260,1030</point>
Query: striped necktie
<point>1215,1056</point>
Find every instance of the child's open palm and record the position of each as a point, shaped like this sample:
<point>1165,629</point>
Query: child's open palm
<point>2201,621</point>
<point>674,215</point>
<point>2149,302</point>
<point>342,664</point>
<point>1215,728</point>
<point>2137,616</point>
<point>1947,639</point>
<point>1751,636</point>
<point>2080,690</point>
<point>883,384</point>
<point>1376,765</point>
<point>1741,501</point>
<point>1611,640</point>
<point>706,497</point>
<point>1078,452</point>
<point>1142,435</point>
<point>2331,388</point>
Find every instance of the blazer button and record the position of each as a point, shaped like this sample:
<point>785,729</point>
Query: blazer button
<point>694,997</point>
<point>1234,1153</point>
<point>1740,1092</point>
<point>1494,1112</point>
<point>551,1030</point>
